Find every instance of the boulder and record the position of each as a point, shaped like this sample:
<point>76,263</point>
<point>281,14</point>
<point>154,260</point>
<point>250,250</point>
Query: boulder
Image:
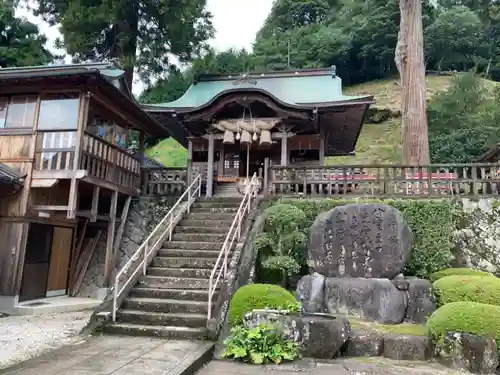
<point>421,301</point>
<point>407,348</point>
<point>371,299</point>
<point>360,240</point>
<point>310,291</point>
<point>474,353</point>
<point>320,336</point>
<point>363,343</point>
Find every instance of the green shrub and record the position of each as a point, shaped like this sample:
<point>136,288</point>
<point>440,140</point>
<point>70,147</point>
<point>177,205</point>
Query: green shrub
<point>458,288</point>
<point>469,317</point>
<point>259,345</point>
<point>432,222</point>
<point>260,296</point>
<point>456,271</point>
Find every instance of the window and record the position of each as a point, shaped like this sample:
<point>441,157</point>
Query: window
<point>59,111</point>
<point>17,111</point>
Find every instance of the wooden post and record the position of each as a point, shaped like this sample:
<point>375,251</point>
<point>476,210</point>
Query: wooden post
<point>409,58</point>
<point>322,147</point>
<point>95,204</point>
<point>284,150</point>
<point>108,267</point>
<point>266,175</point>
<point>189,171</point>
<point>82,123</point>
<point>220,169</point>
<point>119,233</point>
<point>210,170</point>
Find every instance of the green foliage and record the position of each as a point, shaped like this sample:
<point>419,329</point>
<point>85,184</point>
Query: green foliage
<point>139,33</point>
<point>455,288</point>
<point>259,345</point>
<point>456,271</point>
<point>260,296</point>
<point>432,223</point>
<point>281,245</point>
<point>470,317</point>
<point>463,121</point>
<point>21,43</point>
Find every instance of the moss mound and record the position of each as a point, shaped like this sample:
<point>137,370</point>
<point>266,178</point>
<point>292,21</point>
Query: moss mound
<point>457,271</point>
<point>258,296</point>
<point>482,289</point>
<point>469,317</point>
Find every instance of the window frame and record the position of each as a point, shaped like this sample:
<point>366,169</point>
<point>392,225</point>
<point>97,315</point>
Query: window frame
<point>19,130</point>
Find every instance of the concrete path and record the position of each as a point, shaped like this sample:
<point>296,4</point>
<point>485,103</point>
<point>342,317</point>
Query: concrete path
<point>106,355</point>
<point>351,366</point>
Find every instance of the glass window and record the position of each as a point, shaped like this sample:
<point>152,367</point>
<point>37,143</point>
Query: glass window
<point>20,112</point>
<point>59,111</point>
<point>3,111</point>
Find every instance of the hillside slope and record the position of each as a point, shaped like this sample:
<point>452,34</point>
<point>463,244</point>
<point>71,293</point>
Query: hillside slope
<point>377,143</point>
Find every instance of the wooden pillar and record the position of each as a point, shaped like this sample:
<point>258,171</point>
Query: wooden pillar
<point>322,147</point>
<point>141,146</point>
<point>82,124</point>
<point>95,204</point>
<point>210,167</point>
<point>220,169</point>
<point>266,174</point>
<point>110,240</point>
<point>189,177</point>
<point>284,150</point>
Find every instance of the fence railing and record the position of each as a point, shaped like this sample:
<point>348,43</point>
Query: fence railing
<point>163,181</point>
<point>154,241</point>
<point>435,180</point>
<point>219,271</point>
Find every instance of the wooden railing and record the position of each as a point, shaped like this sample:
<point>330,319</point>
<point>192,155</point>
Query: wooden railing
<point>435,180</point>
<point>163,181</point>
<point>108,162</point>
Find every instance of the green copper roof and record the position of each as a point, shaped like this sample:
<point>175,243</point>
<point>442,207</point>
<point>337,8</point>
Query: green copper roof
<point>301,88</point>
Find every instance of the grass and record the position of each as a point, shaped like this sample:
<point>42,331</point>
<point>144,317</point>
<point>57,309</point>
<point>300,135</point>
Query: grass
<point>377,143</point>
<point>402,329</point>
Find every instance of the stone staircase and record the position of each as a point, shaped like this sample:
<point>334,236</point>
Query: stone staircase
<point>172,299</point>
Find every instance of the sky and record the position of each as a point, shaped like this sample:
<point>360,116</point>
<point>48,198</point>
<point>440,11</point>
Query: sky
<point>236,22</point>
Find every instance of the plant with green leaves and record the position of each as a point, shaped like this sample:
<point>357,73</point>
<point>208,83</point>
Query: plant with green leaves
<point>260,345</point>
<point>283,241</point>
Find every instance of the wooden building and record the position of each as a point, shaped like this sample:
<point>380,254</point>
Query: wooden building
<point>64,168</point>
<point>238,125</point>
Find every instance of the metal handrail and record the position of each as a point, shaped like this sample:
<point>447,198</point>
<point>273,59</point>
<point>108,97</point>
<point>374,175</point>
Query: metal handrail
<point>192,192</point>
<point>234,231</point>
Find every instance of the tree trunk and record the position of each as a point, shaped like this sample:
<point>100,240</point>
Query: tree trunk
<point>409,58</point>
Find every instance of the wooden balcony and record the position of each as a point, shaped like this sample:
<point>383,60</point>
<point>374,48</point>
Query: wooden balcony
<point>99,160</point>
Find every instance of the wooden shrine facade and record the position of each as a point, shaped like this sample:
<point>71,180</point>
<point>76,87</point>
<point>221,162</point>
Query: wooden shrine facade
<point>63,144</point>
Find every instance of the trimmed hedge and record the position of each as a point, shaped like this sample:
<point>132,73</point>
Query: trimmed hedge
<point>258,296</point>
<point>456,271</point>
<point>432,222</point>
<point>469,317</point>
<point>457,288</point>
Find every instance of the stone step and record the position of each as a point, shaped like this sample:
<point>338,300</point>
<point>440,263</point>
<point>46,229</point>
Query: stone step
<point>189,253</point>
<point>178,262</point>
<point>199,237</point>
<point>181,228</point>
<point>166,305</point>
<point>172,282</point>
<point>212,216</point>
<point>216,204</point>
<point>220,210</point>
<point>218,199</point>
<point>193,245</point>
<point>196,273</point>
<point>162,319</point>
<point>172,332</point>
<point>179,294</point>
<point>190,222</point>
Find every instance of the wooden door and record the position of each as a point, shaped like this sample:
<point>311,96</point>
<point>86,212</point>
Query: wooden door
<point>57,283</point>
<point>36,262</point>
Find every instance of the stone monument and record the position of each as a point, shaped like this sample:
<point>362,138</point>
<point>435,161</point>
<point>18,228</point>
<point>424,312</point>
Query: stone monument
<point>356,255</point>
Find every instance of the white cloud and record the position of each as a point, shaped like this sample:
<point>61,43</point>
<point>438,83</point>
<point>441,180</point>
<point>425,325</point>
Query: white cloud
<point>236,23</point>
